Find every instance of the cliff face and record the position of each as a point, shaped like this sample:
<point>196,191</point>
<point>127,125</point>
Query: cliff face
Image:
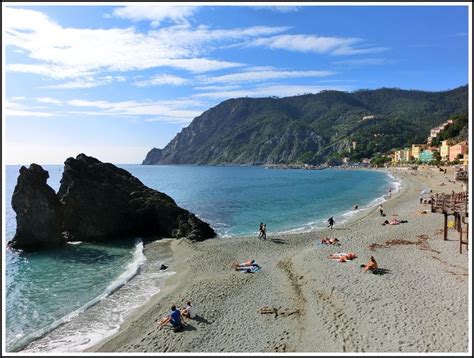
<point>95,202</point>
<point>309,128</point>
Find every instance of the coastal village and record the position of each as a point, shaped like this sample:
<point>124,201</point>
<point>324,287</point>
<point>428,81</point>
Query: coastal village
<point>448,153</point>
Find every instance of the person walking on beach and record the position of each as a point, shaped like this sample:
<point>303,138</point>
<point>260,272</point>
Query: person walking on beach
<point>331,222</point>
<point>260,231</point>
<point>264,231</point>
<point>381,209</point>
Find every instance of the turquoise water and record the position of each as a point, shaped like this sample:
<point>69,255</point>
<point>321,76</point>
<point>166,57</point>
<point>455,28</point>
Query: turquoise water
<point>45,290</point>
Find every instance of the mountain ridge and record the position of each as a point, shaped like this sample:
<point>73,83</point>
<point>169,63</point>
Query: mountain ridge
<point>310,128</point>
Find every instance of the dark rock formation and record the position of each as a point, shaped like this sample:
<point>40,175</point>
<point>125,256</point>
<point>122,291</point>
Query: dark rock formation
<point>38,211</point>
<point>98,202</point>
<point>102,201</point>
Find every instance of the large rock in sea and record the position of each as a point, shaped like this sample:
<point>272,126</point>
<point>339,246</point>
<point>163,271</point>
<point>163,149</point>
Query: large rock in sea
<point>38,211</point>
<point>101,202</point>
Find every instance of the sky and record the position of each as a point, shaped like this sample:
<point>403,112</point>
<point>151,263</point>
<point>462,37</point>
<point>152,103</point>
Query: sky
<point>115,81</point>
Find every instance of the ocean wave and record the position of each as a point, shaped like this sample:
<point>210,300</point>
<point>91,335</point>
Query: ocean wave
<point>131,270</point>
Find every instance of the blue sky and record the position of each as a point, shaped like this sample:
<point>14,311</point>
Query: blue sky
<point>115,81</point>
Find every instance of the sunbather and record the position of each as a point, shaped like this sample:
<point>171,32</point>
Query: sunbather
<point>372,265</point>
<point>247,263</point>
<point>329,241</point>
<point>342,256</point>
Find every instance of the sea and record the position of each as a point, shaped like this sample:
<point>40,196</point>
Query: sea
<point>69,299</point>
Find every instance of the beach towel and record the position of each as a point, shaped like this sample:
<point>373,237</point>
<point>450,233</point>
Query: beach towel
<point>250,269</point>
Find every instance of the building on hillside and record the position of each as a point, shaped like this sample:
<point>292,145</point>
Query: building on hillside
<point>354,145</point>
<point>402,155</point>
<point>444,150</point>
<point>416,149</point>
<point>407,156</point>
<point>436,130</point>
<point>345,160</point>
<point>457,149</point>
<point>397,156</point>
<point>426,156</point>
<point>466,162</point>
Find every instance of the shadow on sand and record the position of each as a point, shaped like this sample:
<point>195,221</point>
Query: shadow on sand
<point>380,271</point>
<point>278,241</point>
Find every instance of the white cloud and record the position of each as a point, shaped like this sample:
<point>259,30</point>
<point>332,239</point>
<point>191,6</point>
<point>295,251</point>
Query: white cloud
<point>62,52</point>
<point>89,82</point>
<point>14,109</point>
<point>171,111</point>
<point>315,44</point>
<point>163,79</point>
<point>256,76</point>
<point>52,71</point>
<point>267,91</point>
<point>181,110</point>
<point>216,88</point>
<point>48,100</point>
<point>156,13</point>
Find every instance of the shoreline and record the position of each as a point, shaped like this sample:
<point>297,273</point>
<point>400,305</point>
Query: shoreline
<point>289,275</point>
<point>42,341</point>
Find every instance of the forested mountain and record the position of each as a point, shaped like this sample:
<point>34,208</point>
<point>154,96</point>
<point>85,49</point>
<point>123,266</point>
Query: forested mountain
<point>311,128</point>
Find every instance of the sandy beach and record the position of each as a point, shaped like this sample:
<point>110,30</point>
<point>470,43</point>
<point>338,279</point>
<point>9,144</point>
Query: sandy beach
<point>420,304</point>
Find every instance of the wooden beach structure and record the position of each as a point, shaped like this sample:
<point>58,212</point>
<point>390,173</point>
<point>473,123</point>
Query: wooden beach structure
<point>456,205</point>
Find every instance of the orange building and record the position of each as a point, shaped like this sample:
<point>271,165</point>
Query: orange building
<point>455,150</point>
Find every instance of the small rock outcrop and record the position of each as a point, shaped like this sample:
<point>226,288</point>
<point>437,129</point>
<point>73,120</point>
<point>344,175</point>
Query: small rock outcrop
<point>38,211</point>
<point>101,202</point>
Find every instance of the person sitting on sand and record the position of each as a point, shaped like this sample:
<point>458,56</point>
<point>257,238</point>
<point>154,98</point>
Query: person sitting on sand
<point>342,256</point>
<point>189,311</point>
<point>174,317</point>
<point>394,222</point>
<point>372,265</point>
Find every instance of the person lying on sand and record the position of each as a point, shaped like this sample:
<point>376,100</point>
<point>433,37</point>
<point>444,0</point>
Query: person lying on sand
<point>342,256</point>
<point>174,318</point>
<point>247,263</point>
<point>329,241</point>
<point>250,268</point>
<point>372,265</point>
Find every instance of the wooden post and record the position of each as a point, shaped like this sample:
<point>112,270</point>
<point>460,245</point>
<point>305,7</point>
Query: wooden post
<point>445,226</point>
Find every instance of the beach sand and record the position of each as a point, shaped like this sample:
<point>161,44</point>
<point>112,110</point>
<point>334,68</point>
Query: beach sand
<point>421,303</point>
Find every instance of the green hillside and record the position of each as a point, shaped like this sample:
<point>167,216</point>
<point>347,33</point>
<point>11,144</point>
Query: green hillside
<point>310,128</point>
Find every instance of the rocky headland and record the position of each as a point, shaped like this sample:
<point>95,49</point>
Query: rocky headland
<point>95,202</point>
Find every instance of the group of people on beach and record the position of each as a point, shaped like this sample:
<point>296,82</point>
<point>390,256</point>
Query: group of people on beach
<point>175,317</point>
